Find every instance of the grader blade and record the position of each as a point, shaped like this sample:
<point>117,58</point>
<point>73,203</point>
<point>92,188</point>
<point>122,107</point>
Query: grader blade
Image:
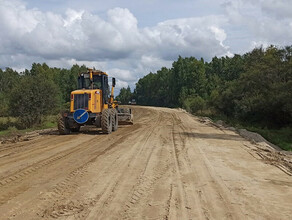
<point>125,116</point>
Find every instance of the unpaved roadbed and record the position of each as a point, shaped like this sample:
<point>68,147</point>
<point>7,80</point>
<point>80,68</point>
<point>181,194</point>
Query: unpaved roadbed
<point>168,165</point>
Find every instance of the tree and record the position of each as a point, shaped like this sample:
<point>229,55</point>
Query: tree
<point>264,89</point>
<point>187,78</point>
<point>125,95</point>
<point>194,104</point>
<point>8,80</point>
<point>32,98</point>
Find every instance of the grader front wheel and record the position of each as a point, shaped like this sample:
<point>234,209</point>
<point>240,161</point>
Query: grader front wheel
<point>106,121</point>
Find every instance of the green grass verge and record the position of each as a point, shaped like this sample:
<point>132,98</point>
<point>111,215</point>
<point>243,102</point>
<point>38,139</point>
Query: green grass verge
<point>48,122</point>
<point>280,137</point>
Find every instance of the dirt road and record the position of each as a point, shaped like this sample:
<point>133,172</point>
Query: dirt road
<point>168,165</point>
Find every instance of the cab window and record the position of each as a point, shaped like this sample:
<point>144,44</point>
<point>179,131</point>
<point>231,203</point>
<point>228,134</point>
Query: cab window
<point>96,82</point>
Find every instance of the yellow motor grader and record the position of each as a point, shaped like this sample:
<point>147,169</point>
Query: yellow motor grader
<point>93,104</point>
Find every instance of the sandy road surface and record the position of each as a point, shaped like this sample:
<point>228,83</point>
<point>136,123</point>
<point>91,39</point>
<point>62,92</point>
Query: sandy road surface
<point>167,165</point>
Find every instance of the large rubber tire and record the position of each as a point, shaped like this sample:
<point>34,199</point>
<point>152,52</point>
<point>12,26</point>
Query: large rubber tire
<point>115,122</point>
<point>106,121</point>
<point>62,127</point>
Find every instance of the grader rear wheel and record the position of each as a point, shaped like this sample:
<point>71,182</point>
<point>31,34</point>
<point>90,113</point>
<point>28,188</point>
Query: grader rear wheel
<point>62,127</point>
<point>106,121</point>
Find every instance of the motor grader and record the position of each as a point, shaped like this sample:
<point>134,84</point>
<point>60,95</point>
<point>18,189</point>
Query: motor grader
<point>93,104</point>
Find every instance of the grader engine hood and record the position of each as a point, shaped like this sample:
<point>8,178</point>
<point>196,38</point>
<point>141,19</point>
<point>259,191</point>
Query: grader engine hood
<point>89,100</point>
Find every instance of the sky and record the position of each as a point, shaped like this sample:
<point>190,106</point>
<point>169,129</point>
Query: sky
<point>128,38</point>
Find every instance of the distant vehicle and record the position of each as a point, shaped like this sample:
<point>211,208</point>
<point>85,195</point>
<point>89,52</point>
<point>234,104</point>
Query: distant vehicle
<point>133,102</point>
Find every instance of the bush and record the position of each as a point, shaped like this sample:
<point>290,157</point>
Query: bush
<point>194,104</point>
<point>6,122</point>
<point>32,98</point>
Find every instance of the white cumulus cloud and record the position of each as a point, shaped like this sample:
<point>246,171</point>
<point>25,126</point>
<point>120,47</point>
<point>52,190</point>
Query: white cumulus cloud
<point>261,21</point>
<point>112,42</point>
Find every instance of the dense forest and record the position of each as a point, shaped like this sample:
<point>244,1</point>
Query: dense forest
<point>33,94</point>
<point>255,87</point>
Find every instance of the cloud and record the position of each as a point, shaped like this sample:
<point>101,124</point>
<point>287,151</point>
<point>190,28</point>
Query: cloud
<point>72,17</point>
<point>83,35</point>
<point>280,9</point>
<point>121,74</point>
<point>263,22</point>
<point>113,42</point>
<point>112,38</point>
<point>120,84</point>
<point>187,37</point>
<point>79,35</point>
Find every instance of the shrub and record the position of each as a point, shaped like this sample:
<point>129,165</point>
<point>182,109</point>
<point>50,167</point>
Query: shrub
<point>194,104</point>
<point>32,98</point>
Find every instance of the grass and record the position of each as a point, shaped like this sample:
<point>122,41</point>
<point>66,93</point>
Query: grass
<point>5,132</point>
<point>281,137</point>
<point>8,126</point>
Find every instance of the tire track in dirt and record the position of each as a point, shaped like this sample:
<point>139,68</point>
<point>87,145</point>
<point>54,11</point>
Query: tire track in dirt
<point>21,175</point>
<point>134,162</point>
<point>178,175</point>
<point>216,194</point>
<point>70,184</point>
<point>167,165</point>
<point>109,193</point>
<point>35,154</point>
<point>56,211</point>
<point>142,189</point>
<point>14,179</point>
<point>213,196</point>
<point>35,143</point>
<point>40,164</point>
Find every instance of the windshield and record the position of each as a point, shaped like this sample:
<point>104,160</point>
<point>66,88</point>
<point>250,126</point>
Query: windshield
<point>85,83</point>
<point>96,82</point>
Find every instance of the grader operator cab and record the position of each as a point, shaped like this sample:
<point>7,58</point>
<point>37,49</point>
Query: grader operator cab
<point>93,104</point>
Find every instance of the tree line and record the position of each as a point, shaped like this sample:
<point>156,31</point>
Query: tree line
<point>255,87</point>
<point>35,93</point>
